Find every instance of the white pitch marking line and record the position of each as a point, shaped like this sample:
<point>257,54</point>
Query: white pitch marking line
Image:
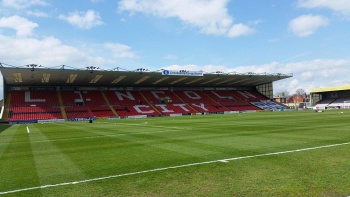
<point>28,130</point>
<point>100,136</point>
<point>171,167</point>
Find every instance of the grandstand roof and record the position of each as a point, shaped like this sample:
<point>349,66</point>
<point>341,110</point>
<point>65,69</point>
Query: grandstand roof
<point>330,89</point>
<point>34,75</point>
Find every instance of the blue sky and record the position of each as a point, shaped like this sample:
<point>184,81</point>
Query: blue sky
<point>309,38</point>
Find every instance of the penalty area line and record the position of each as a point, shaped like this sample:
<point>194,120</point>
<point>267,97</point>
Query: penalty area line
<point>171,167</point>
<point>28,130</point>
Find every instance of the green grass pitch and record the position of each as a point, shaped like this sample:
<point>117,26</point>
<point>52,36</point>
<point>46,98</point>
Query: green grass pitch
<point>299,153</point>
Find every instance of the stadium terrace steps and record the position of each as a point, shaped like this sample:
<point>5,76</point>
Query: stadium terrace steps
<point>64,114</point>
<point>109,104</point>
<point>7,104</point>
<point>145,98</point>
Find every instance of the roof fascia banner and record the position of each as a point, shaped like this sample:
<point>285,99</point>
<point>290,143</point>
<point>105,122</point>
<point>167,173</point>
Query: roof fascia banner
<point>183,73</point>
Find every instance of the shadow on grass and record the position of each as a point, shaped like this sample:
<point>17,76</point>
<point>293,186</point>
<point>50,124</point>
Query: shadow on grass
<point>3,127</point>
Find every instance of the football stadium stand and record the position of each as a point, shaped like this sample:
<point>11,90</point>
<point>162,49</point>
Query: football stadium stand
<point>331,98</point>
<point>58,94</point>
<point>36,105</point>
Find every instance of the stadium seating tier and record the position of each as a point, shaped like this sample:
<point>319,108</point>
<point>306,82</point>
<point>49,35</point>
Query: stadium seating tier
<point>40,105</point>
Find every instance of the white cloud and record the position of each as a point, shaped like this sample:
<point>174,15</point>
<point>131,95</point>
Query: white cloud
<point>22,4</point>
<point>47,51</point>
<point>339,6</point>
<point>50,51</point>
<point>37,14</point>
<point>83,20</point>
<point>192,67</point>
<point>120,50</point>
<point>240,30</point>
<point>307,75</point>
<point>306,25</point>
<point>22,26</point>
<point>24,49</point>
<point>210,16</point>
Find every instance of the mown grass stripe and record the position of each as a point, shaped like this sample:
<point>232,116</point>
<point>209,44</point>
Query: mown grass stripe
<point>18,158</point>
<point>6,135</point>
<point>49,160</point>
<point>93,137</point>
<point>171,167</point>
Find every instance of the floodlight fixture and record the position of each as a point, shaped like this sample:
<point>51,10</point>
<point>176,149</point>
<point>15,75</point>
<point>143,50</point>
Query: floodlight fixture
<point>92,68</point>
<point>33,66</point>
<point>141,70</point>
